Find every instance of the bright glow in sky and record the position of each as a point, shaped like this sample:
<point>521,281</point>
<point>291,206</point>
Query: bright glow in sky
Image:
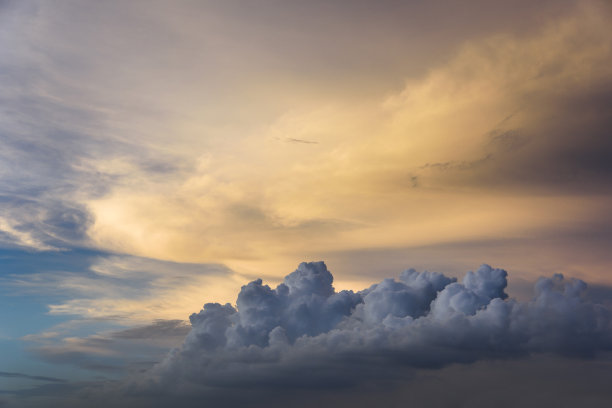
<point>158,155</point>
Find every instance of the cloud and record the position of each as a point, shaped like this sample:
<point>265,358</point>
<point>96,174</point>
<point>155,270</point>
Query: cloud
<point>158,329</point>
<point>92,313</point>
<point>107,352</point>
<point>87,162</point>
<point>526,118</point>
<point>303,333</point>
<point>530,126</point>
<point>60,146</point>
<point>30,377</point>
<point>294,140</point>
<point>303,342</point>
<point>97,285</point>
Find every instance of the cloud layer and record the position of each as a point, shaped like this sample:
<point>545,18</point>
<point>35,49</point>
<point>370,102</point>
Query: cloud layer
<point>305,334</point>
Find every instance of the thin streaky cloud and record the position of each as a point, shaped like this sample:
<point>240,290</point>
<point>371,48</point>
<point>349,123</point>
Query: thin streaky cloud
<point>31,377</point>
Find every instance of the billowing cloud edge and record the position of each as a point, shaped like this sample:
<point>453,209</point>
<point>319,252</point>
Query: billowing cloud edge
<point>305,334</point>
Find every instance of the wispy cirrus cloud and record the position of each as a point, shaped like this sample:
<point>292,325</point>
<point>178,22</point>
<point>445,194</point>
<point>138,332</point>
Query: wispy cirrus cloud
<point>30,377</point>
<point>108,352</point>
<point>385,171</point>
<point>121,287</point>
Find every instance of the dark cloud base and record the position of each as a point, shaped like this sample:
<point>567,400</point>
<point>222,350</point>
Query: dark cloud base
<point>305,337</point>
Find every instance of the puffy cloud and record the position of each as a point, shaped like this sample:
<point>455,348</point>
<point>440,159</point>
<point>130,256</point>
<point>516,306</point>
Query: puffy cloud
<point>305,334</point>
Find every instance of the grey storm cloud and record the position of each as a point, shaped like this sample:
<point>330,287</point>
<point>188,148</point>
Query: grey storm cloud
<point>305,334</point>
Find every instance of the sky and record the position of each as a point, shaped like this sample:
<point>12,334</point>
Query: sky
<point>272,203</point>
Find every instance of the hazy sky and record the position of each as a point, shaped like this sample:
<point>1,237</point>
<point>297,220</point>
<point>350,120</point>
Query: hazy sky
<point>156,156</point>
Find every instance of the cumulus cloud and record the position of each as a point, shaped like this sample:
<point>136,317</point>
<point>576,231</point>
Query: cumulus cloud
<point>303,333</point>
